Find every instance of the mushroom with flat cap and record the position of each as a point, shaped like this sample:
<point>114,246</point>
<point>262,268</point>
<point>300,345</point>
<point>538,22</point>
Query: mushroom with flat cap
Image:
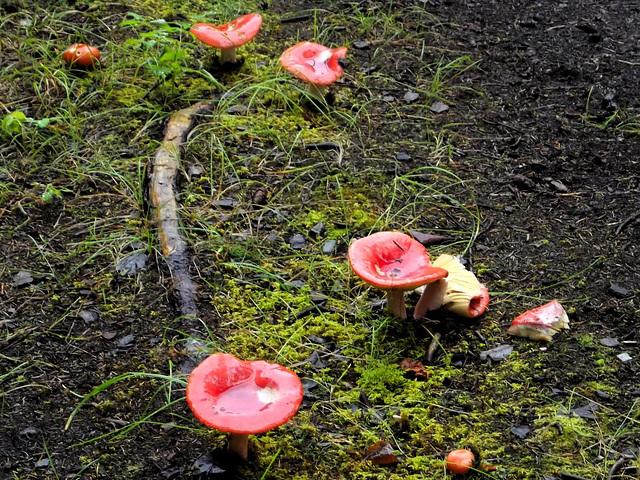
<point>460,293</point>
<point>242,398</point>
<point>315,64</point>
<point>394,262</point>
<point>228,36</point>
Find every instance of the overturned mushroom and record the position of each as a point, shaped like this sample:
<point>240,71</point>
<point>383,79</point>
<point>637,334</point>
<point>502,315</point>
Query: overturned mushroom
<point>394,262</point>
<point>540,323</point>
<point>460,292</point>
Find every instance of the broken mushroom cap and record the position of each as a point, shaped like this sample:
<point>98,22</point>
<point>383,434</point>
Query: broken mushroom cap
<point>540,323</point>
<point>81,55</point>
<point>313,63</point>
<point>394,262</point>
<point>460,293</point>
<point>228,36</point>
<point>241,397</point>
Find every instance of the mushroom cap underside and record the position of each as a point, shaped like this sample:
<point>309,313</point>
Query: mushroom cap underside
<point>465,295</point>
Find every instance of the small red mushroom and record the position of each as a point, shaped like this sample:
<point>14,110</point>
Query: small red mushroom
<point>242,398</point>
<point>460,461</point>
<point>460,293</point>
<point>394,262</point>
<point>81,55</point>
<point>540,323</point>
<point>228,36</point>
<point>315,64</point>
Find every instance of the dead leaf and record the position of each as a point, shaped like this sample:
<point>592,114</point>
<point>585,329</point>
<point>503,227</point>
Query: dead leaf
<point>427,239</point>
<point>381,453</point>
<point>414,366</point>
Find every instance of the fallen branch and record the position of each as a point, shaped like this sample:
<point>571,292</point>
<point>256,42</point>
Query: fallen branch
<point>163,178</point>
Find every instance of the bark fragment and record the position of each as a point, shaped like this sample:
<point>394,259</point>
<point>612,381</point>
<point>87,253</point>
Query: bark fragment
<point>163,178</point>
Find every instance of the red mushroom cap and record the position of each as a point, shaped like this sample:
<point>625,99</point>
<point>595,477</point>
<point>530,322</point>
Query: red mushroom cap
<point>313,63</point>
<point>81,55</point>
<point>230,35</point>
<point>393,260</point>
<point>478,304</point>
<point>460,461</point>
<point>235,396</point>
<point>540,323</point>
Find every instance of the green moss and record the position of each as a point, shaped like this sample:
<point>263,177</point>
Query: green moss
<point>382,383</point>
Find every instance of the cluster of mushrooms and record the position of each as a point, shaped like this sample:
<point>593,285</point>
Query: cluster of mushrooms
<point>315,64</point>
<point>245,398</point>
<point>250,397</point>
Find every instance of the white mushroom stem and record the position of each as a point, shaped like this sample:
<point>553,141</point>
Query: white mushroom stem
<point>395,303</point>
<point>432,298</point>
<point>239,444</point>
<point>316,90</point>
<point>228,55</point>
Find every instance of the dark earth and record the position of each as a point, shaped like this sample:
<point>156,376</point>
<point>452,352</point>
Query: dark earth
<point>543,125</point>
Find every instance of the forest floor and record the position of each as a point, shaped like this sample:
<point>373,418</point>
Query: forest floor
<point>510,128</point>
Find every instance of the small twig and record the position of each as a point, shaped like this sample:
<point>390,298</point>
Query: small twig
<point>323,146</point>
<point>314,309</point>
<point>504,125</point>
<point>297,18</point>
<point>626,222</point>
<point>570,476</point>
<point>433,346</point>
<point>616,469</point>
<point>153,87</point>
<point>485,229</point>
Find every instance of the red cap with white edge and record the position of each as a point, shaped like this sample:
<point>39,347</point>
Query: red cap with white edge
<point>241,397</point>
<point>313,63</point>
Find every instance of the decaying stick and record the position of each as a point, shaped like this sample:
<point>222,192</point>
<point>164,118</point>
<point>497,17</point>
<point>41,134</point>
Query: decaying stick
<point>162,186</point>
<point>433,346</point>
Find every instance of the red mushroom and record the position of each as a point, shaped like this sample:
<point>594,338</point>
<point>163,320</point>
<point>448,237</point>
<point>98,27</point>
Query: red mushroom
<point>460,293</point>
<point>81,55</point>
<point>315,64</point>
<point>230,35</point>
<point>460,461</point>
<point>540,323</point>
<point>394,262</point>
<point>242,398</point>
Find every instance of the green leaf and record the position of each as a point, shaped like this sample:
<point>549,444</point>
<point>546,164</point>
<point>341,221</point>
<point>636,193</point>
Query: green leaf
<point>171,56</point>
<point>43,122</point>
<point>50,193</point>
<point>159,71</point>
<point>12,122</point>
